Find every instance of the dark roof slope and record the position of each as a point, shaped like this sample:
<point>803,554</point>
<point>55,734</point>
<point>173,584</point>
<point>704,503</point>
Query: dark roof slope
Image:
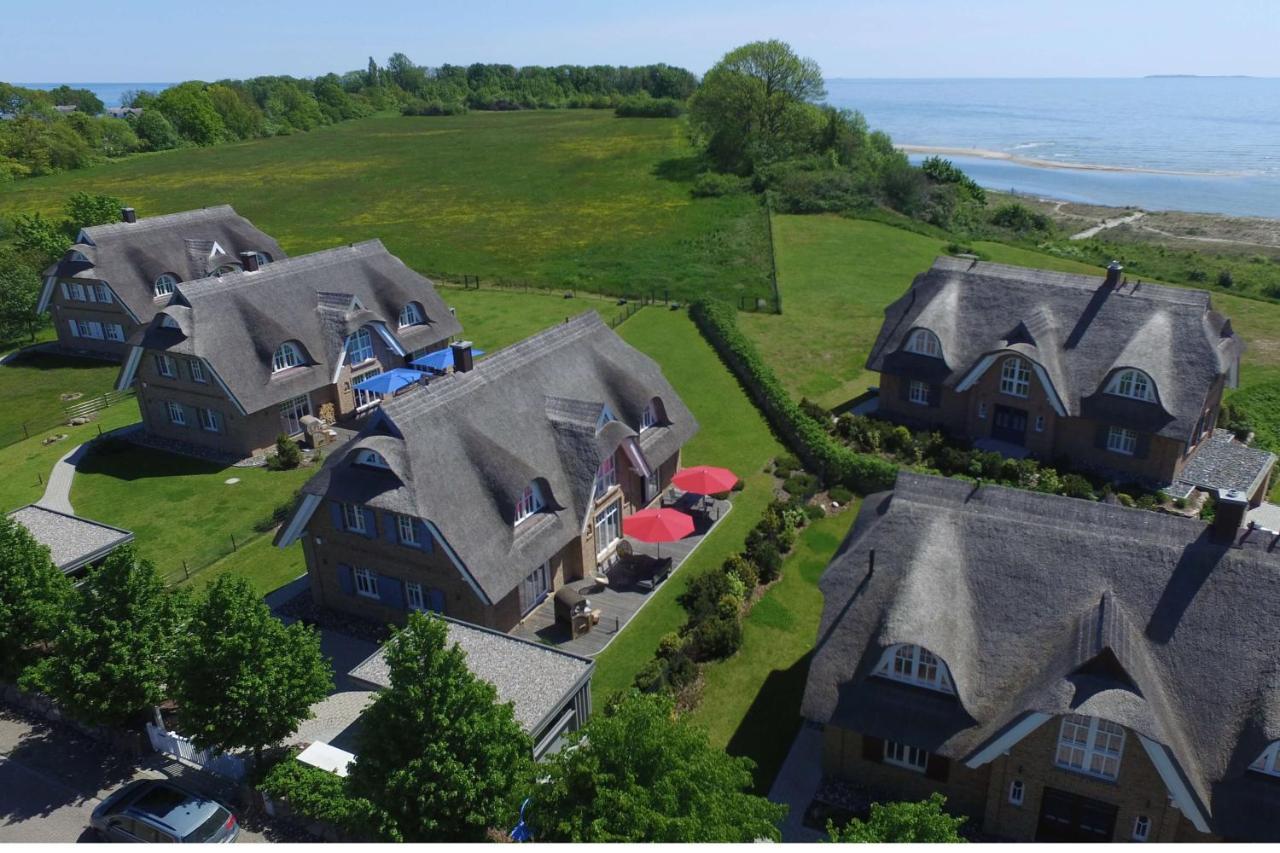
<point>1152,625</point>
<point>237,321</point>
<point>465,447</point>
<point>72,541</point>
<point>1078,330</point>
<point>129,256</point>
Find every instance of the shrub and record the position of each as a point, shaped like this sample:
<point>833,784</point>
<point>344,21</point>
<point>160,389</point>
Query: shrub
<point>1146,500</point>
<point>813,513</point>
<point>1125,499</point>
<point>714,184</point>
<point>768,562</point>
<point>1076,486</point>
<point>899,440</point>
<point>801,485</point>
<point>288,454</point>
<point>739,566</point>
<point>1225,279</point>
<point>319,795</point>
<point>1197,276</point>
<point>786,460</point>
<point>740,485</point>
<point>702,597</point>
<point>816,411</point>
<point>716,638</point>
<point>646,106</point>
<point>434,108</point>
<point>840,495</point>
<point>1020,219</point>
<point>959,249</point>
<point>1180,503</point>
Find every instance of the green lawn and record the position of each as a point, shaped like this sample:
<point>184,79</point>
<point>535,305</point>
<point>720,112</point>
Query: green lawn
<point>571,198</point>
<point>32,386</point>
<point>493,318</point>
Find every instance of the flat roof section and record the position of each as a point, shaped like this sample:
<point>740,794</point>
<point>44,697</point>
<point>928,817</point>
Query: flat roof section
<point>73,541</point>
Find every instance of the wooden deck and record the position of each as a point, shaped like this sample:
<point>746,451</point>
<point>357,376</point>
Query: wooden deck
<point>616,605</point>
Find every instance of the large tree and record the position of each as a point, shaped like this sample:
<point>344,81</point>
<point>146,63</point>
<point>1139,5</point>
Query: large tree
<point>639,773</point>
<point>242,679</point>
<point>757,104</point>
<point>19,292</point>
<point>111,660</point>
<point>34,596</point>
<point>438,753</point>
<point>902,823</point>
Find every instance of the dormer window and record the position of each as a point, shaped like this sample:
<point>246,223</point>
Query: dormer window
<point>168,322</point>
<point>263,258</point>
<point>1090,745</point>
<point>1269,761</point>
<point>1015,378</point>
<point>360,346</point>
<point>606,415</point>
<point>372,459</point>
<point>164,284</point>
<point>606,476</point>
<point>530,502</point>
<point>1133,384</point>
<point>649,417</point>
<point>924,342</point>
<point>287,355</point>
<point>915,665</point>
<point>411,315</point>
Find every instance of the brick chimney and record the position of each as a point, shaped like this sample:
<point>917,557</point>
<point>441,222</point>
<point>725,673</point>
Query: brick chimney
<point>249,261</point>
<point>127,214</point>
<point>1228,518</point>
<point>1114,269</point>
<point>462,358</point>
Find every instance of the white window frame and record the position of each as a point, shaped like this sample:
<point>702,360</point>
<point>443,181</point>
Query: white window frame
<point>606,476</point>
<point>405,530</point>
<point>1017,792</point>
<point>924,342</point>
<point>366,581</point>
<point>359,343</point>
<point>209,420</point>
<point>912,664</point>
<point>908,757</point>
<point>295,410</point>
<point>103,293</point>
<point>918,392</point>
<point>649,417</point>
<point>607,524</point>
<point>372,459</point>
<point>411,315</point>
<point>77,292</point>
<point>353,518</point>
<point>1091,746</point>
<point>530,502</point>
<point>177,415</point>
<point>415,596</point>
<point>1122,440</point>
<point>1141,828</point>
<point>287,355</point>
<point>1269,761</point>
<point>1015,377</point>
<point>366,399</point>
<point>115,332</point>
<point>263,258</point>
<point>197,371</point>
<point>91,329</point>
<point>1134,384</point>
<point>164,284</point>
<point>165,366</point>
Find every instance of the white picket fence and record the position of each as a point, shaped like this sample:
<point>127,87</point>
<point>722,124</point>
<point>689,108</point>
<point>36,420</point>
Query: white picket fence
<point>171,743</point>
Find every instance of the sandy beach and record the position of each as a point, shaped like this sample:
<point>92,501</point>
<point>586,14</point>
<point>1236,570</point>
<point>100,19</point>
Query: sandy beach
<point>988,154</point>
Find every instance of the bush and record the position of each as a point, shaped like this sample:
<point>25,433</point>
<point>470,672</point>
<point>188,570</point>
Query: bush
<point>813,513</point>
<point>1020,219</point>
<point>716,638</point>
<point>702,597</point>
<point>816,411</point>
<point>714,184</point>
<point>1209,508</point>
<point>801,485</point>
<point>433,108</point>
<point>740,485</point>
<point>768,562</point>
<point>739,566</point>
<point>1076,486</point>
<point>288,454</point>
<point>1146,500</point>
<point>1125,499</point>
<point>319,795</point>
<point>646,106</point>
<point>1180,503</point>
<point>840,495</point>
<point>1225,279</point>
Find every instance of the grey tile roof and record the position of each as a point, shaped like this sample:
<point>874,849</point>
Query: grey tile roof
<point>536,678</point>
<point>237,321</point>
<point>463,449</point>
<point>1221,462</point>
<point>131,255</point>
<point>72,541</point>
<point>1151,624</point>
<point>1079,331</point>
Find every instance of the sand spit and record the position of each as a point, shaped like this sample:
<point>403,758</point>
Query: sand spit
<point>988,154</point>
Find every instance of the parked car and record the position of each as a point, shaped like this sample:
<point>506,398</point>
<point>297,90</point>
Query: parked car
<point>156,811</point>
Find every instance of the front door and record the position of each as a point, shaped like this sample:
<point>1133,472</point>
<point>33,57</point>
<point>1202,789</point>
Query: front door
<point>1009,425</point>
<point>1071,817</point>
<point>535,587</point>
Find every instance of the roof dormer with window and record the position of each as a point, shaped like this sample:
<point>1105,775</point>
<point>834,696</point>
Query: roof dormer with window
<point>915,665</point>
<point>924,342</point>
<point>1133,384</point>
<point>530,503</point>
<point>287,355</point>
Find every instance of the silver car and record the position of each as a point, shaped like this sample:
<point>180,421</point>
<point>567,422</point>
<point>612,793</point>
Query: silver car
<point>160,812</point>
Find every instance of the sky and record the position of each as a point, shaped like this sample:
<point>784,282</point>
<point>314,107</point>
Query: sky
<point>172,40</point>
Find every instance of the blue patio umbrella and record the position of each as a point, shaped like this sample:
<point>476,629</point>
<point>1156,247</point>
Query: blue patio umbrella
<point>389,382</point>
<point>441,359</point>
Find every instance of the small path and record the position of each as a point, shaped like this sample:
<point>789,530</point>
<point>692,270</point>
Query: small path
<point>57,490</point>
<point>1108,223</point>
<point>797,783</point>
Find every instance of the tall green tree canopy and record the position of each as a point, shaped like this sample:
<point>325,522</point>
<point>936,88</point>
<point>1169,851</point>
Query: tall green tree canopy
<point>903,823</point>
<point>438,753</point>
<point>34,597</point>
<point>639,773</point>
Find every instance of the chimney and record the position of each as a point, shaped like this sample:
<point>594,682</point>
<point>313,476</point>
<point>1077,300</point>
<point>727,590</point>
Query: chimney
<point>1229,514</point>
<point>127,214</point>
<point>249,261</point>
<point>1114,269</point>
<point>462,360</point>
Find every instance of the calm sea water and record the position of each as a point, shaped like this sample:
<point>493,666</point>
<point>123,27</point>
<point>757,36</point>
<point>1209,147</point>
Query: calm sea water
<point>109,93</point>
<point>1225,132</point>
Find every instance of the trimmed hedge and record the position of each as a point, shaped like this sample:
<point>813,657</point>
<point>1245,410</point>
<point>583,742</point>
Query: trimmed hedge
<point>835,463</point>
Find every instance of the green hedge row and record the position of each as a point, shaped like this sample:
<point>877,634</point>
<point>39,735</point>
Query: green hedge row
<point>807,439</point>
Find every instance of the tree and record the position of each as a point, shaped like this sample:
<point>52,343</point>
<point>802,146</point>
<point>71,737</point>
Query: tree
<point>902,823</point>
<point>437,752</point>
<point>155,131</point>
<point>192,113</point>
<point>85,209</point>
<point>34,596</point>
<point>84,100</point>
<point>112,658</point>
<point>40,239</point>
<point>242,679</point>
<point>19,292</point>
<point>756,105</point>
<point>638,773</point>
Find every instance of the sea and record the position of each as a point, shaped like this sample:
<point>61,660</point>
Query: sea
<point>111,94</point>
<point>1208,144</point>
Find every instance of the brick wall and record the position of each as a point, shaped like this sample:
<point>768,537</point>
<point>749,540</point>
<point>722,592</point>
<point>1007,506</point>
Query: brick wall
<point>62,311</point>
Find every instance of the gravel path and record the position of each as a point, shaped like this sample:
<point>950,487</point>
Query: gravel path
<point>1107,223</point>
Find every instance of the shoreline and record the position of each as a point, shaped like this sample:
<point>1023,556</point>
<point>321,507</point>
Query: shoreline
<point>1037,162</point>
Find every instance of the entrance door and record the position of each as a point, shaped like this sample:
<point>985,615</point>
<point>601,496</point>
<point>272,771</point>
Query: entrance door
<point>1009,425</point>
<point>292,412</point>
<point>535,587</point>
<point>1071,817</point>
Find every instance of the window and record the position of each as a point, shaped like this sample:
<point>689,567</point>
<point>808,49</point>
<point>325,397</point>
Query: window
<point>1016,792</point>
<point>1141,827</point>
<point>404,526</point>
<point>1090,745</point>
<point>177,416</point>
<point>916,665</point>
<point>360,346</point>
<point>165,366</point>
<point>901,755</point>
<point>103,293</point>
<point>263,258</point>
<point>924,342</point>
<point>209,420</point>
<point>413,592</point>
<point>197,371</point>
<point>371,458</point>
<point>1269,761</point>
<point>1039,423</point>
<point>918,392</point>
<point>1133,384</point>
<point>606,477</point>
<point>410,315</point>
<point>367,583</point>
<point>90,329</point>
<point>608,527</point>
<point>649,417</point>
<point>1015,378</point>
<point>366,398</point>
<point>292,412</point>
<point>164,284</point>
<point>77,292</point>
<point>168,322</point>
<point>353,518</point>
<point>115,332</point>
<point>982,410</point>
<point>287,355</point>
<point>529,503</point>
<point>1121,440</point>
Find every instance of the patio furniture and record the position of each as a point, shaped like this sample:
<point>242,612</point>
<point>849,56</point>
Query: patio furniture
<point>657,525</point>
<point>652,572</point>
<point>573,610</point>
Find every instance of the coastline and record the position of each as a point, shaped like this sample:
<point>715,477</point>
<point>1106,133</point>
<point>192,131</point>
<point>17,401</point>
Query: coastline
<point>1037,162</point>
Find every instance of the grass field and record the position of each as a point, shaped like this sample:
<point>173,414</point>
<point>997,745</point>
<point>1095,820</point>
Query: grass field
<point>32,386</point>
<point>572,198</point>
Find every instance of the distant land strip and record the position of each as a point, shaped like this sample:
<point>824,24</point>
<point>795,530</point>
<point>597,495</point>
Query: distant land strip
<point>988,154</point>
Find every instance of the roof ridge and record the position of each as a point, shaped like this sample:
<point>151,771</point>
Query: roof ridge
<point>161,221</point>
<point>240,279</point>
<point>1076,281</point>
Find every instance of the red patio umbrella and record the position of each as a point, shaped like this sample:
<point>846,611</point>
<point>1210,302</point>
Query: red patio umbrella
<point>705,480</point>
<point>657,525</point>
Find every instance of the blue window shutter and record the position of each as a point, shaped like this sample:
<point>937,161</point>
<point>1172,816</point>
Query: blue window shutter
<point>424,535</point>
<point>391,531</point>
<point>391,591</point>
<point>435,600</point>
<point>335,510</point>
<point>346,579</point>
<point>370,522</point>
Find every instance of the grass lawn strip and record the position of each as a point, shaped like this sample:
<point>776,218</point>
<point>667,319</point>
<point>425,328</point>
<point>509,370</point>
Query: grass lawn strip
<point>32,386</point>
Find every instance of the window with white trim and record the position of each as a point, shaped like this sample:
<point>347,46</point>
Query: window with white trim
<point>197,371</point>
<point>410,315</point>
<point>901,755</point>
<point>115,332</point>
<point>1269,761</point>
<point>1015,377</point>
<point>360,346</point>
<point>916,665</point>
<point>1017,792</point>
<point>1122,440</point>
<point>287,355</point>
<point>413,593</point>
<point>606,476</point>
<point>209,420</point>
<point>918,392</point>
<point>353,517</point>
<point>77,292</point>
<point>649,417</point>
<point>165,366</point>
<point>91,329</point>
<point>608,527</point>
<point>263,258</point>
<point>103,293</point>
<point>405,527</point>
<point>367,583</point>
<point>164,284</point>
<point>364,398</point>
<point>1141,828</point>
<point>1091,746</point>
<point>177,415</point>
<point>372,459</point>
<point>1133,384</point>
<point>529,503</point>
<point>924,342</point>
